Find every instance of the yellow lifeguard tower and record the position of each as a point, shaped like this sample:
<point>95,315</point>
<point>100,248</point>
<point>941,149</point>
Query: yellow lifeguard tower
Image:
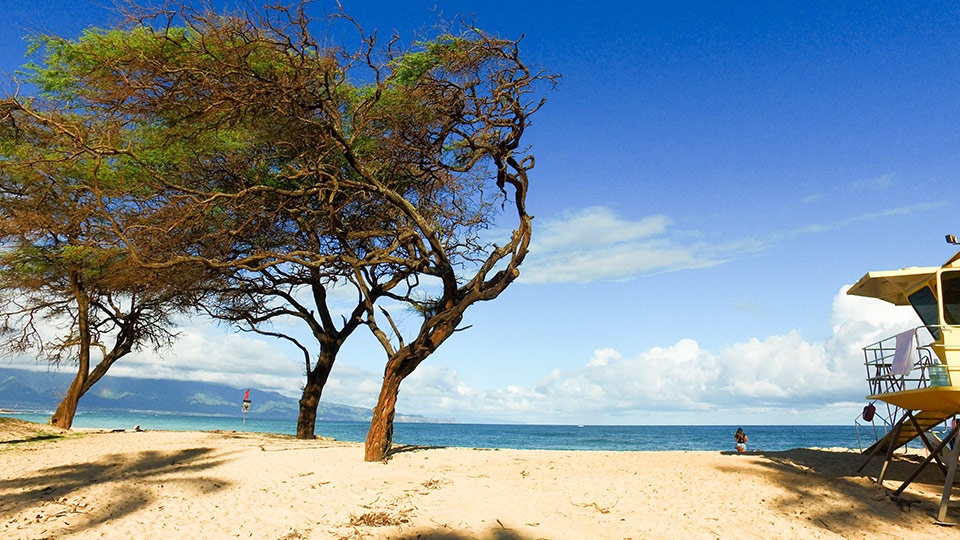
<point>917,372</point>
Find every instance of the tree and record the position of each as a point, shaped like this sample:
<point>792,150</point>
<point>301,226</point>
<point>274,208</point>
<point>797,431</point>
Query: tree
<point>471,95</point>
<point>61,268</point>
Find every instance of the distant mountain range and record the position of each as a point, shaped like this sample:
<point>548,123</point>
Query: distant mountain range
<point>22,389</point>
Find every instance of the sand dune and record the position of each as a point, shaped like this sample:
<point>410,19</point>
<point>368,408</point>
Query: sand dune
<point>173,485</point>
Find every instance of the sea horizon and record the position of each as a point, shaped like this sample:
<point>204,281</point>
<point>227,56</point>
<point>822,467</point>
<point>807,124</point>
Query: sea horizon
<point>598,437</point>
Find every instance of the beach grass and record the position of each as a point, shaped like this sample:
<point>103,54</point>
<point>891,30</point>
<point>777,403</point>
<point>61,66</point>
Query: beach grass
<point>14,431</point>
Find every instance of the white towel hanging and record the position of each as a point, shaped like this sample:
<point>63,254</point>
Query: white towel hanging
<point>903,357</point>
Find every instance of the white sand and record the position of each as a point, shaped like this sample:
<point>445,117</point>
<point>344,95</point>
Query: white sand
<point>175,485</point>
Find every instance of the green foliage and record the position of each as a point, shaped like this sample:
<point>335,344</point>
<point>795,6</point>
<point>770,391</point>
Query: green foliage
<point>35,266</point>
<point>68,67</point>
<point>413,66</point>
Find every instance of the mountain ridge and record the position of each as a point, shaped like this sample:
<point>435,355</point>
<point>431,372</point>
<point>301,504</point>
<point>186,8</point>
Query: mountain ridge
<point>22,389</point>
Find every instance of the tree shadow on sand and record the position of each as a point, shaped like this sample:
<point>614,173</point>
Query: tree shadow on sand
<point>58,491</point>
<point>826,488</point>
<point>35,438</point>
<point>404,448</point>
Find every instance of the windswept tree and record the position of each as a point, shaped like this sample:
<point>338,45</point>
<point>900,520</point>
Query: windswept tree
<point>70,293</point>
<point>466,102</point>
<point>292,168</point>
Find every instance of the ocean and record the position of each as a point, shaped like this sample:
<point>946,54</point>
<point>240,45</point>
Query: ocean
<point>517,436</point>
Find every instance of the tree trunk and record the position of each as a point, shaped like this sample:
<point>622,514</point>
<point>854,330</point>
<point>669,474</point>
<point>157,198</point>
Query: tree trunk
<point>380,436</point>
<point>400,365</point>
<point>67,409</point>
<point>310,399</point>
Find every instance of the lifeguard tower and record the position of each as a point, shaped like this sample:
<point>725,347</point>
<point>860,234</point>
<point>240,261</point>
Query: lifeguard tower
<point>916,373</point>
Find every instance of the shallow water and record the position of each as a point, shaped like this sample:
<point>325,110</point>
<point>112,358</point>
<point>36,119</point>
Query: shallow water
<point>519,436</point>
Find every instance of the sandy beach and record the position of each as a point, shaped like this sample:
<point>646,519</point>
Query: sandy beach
<point>174,485</point>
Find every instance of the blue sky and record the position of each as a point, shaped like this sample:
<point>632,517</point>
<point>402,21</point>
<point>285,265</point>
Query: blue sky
<point>710,178</point>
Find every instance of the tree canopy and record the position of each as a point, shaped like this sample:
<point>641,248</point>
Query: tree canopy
<point>71,292</point>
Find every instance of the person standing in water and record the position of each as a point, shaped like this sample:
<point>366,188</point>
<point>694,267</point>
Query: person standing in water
<point>741,439</point>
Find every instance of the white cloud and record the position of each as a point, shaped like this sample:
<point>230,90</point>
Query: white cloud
<point>595,244</point>
<point>582,229</point>
<point>352,386</point>
<point>204,352</point>
<point>881,182</point>
<point>778,378</point>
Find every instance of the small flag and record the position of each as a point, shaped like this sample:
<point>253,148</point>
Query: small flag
<point>246,401</point>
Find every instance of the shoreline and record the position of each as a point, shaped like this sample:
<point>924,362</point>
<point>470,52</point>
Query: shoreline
<point>529,436</point>
<point>151,484</point>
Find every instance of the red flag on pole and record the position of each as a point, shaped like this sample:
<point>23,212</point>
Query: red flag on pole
<point>246,408</point>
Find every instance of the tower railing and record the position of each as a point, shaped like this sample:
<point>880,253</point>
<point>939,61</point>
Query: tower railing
<point>914,367</point>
